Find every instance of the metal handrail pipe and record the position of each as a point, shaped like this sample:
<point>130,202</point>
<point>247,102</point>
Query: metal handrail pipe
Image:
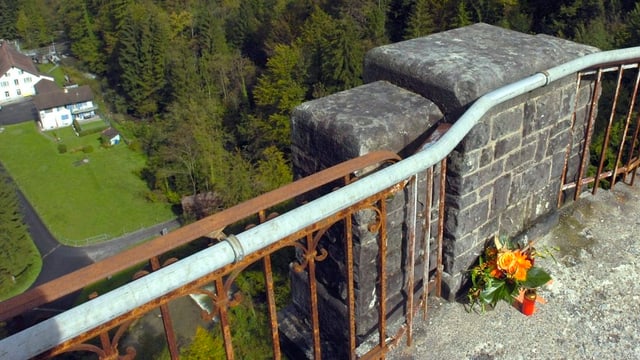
<point>74,322</point>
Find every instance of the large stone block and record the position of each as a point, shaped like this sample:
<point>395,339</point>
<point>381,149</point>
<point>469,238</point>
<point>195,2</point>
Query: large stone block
<point>376,116</point>
<point>455,67</point>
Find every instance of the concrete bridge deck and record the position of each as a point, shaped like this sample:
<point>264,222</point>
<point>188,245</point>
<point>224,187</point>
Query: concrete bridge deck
<point>593,304</point>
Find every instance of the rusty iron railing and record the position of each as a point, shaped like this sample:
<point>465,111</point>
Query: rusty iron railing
<point>613,115</point>
<point>224,295</point>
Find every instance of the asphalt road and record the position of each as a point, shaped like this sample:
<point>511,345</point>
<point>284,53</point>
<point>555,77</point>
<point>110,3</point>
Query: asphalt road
<point>60,259</point>
<point>18,112</point>
<point>57,259</point>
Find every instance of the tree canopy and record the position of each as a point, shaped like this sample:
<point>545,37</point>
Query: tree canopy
<point>206,87</point>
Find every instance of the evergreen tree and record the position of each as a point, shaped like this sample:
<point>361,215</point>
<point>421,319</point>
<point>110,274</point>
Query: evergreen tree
<point>142,44</point>
<point>79,28</point>
<point>420,20</point>
<point>279,89</point>
<point>32,25</point>
<point>273,170</point>
<point>16,247</point>
<point>344,57</point>
<point>8,16</point>
<point>462,17</point>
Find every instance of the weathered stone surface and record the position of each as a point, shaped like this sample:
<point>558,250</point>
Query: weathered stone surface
<point>455,67</point>
<point>376,116</point>
<point>501,178</point>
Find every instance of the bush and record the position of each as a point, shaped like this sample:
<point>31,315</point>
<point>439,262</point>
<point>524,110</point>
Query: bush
<point>93,130</point>
<point>62,148</point>
<point>87,149</point>
<point>76,126</point>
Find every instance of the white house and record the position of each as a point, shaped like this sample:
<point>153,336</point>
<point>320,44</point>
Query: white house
<point>59,107</point>
<point>18,74</point>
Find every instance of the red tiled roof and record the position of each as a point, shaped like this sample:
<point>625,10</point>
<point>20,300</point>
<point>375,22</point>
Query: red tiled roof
<point>110,132</point>
<point>63,97</point>
<point>9,57</point>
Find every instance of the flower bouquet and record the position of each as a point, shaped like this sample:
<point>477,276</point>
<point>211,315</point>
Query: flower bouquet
<point>503,272</point>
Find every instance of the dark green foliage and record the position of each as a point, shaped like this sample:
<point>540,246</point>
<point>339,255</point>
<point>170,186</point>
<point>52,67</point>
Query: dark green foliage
<point>79,27</point>
<point>62,148</point>
<point>248,320</point>
<point>34,23</point>
<point>19,258</point>
<point>76,126</point>
<point>141,51</point>
<point>8,16</point>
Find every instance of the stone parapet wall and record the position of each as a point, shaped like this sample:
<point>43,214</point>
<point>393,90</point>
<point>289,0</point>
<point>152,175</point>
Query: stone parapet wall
<point>506,173</point>
<point>331,130</point>
<point>502,178</point>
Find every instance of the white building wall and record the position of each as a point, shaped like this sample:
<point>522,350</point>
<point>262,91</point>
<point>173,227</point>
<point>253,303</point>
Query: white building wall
<point>16,83</point>
<point>55,118</point>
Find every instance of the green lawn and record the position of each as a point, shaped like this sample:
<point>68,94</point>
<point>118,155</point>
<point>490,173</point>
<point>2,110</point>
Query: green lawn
<point>80,196</point>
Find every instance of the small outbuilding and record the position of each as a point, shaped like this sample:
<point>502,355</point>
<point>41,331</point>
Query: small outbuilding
<point>110,136</point>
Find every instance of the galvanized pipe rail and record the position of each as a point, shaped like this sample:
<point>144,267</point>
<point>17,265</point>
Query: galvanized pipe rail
<point>93,314</point>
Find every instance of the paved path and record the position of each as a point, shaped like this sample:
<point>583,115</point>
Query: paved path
<point>58,259</point>
<point>18,111</point>
<point>593,304</point>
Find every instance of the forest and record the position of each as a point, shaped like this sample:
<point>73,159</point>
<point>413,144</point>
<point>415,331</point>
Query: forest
<point>204,88</point>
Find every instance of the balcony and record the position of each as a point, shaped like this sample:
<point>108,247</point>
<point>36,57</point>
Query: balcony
<point>365,224</point>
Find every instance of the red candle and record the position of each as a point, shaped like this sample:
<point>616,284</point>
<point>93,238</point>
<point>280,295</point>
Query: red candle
<point>529,302</point>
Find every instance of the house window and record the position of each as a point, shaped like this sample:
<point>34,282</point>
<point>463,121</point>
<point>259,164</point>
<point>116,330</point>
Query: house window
<point>47,111</point>
<point>20,71</point>
<point>6,94</point>
<point>64,117</point>
<point>27,80</point>
<point>4,83</point>
<point>19,92</point>
<point>16,82</point>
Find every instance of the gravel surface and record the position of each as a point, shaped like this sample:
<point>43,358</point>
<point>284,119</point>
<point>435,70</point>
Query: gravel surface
<point>593,303</point>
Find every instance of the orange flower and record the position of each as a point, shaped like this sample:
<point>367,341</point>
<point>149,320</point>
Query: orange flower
<point>523,264</point>
<point>514,263</point>
<point>495,272</point>
<point>507,261</point>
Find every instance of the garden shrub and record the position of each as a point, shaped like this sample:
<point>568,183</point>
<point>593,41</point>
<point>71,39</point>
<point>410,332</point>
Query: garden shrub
<point>93,130</point>
<point>62,148</point>
<point>87,149</point>
<point>76,126</point>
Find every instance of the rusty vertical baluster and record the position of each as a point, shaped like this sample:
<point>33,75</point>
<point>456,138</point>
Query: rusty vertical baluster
<point>440,267</point>
<point>588,133</point>
<point>351,299</point>
<point>271,301</point>
<point>166,319</point>
<point>567,155</point>
<point>607,133</point>
<point>313,297</point>
<point>108,350</point>
<point>426,246</point>
<point>634,141</point>
<point>412,213</point>
<point>627,123</point>
<point>382,329</point>
<point>222,305</point>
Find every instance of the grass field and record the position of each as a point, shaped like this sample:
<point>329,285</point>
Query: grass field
<point>80,196</point>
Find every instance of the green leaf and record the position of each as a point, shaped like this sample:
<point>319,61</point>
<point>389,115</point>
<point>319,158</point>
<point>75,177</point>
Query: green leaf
<point>497,290</point>
<point>536,277</point>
